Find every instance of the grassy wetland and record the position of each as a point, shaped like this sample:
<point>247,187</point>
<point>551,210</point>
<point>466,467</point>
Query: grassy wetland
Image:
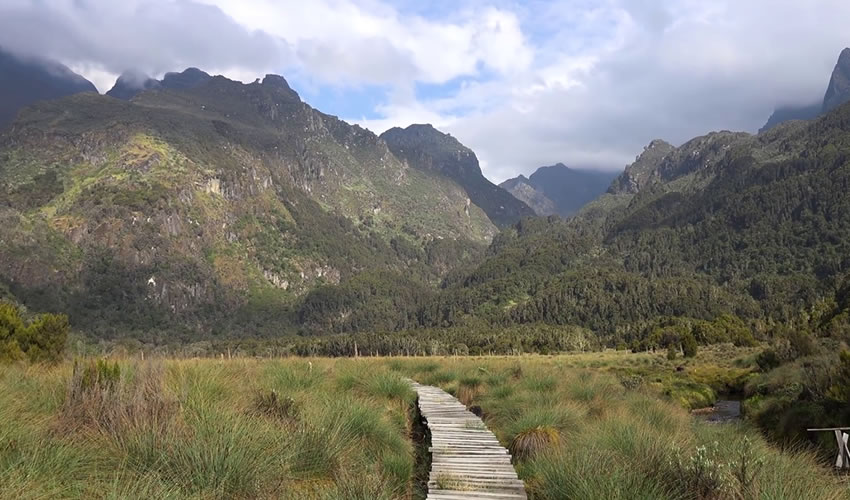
<point>595,425</point>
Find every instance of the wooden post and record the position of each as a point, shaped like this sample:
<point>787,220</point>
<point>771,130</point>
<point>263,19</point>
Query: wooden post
<point>843,460</point>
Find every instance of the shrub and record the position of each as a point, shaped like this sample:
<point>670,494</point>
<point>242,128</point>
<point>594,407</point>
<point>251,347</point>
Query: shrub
<point>632,382</point>
<point>802,343</point>
<point>42,340</point>
<point>703,473</point>
<point>768,360</point>
<point>840,390</point>
<point>671,352</point>
<point>689,345</point>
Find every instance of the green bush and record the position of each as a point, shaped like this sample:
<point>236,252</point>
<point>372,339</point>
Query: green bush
<point>689,345</point>
<point>42,340</point>
<point>768,360</point>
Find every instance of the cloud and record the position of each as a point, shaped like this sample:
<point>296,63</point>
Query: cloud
<point>103,37</point>
<point>631,72</point>
<point>584,82</point>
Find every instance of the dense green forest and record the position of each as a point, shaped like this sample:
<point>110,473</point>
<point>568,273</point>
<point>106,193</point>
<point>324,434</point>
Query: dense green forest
<point>749,240</point>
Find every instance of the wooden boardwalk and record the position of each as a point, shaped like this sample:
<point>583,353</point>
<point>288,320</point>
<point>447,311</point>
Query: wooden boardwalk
<point>467,460</point>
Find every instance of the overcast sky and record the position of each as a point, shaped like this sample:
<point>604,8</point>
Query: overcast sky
<point>523,83</point>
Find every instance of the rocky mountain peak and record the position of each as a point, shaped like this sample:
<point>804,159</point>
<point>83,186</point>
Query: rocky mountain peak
<point>637,174</point>
<point>559,189</point>
<point>838,91</point>
<point>426,148</point>
<point>188,78</point>
<point>131,83</point>
<point>277,81</point>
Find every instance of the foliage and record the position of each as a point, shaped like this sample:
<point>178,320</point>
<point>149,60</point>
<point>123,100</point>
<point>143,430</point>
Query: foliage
<point>41,340</point>
<point>274,405</point>
<point>689,345</point>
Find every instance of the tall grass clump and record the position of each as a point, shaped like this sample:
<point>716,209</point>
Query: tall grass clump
<point>272,404</point>
<point>102,397</point>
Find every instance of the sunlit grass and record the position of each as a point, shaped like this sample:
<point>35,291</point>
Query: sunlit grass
<point>595,425</point>
<point>318,436</point>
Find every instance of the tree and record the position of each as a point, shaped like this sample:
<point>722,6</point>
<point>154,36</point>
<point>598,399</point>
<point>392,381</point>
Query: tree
<point>689,345</point>
<point>42,340</point>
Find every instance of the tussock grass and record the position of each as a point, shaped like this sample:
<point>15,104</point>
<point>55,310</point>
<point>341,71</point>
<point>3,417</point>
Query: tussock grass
<point>205,429</point>
<point>275,405</point>
<point>578,432</point>
<point>530,442</point>
<point>328,429</point>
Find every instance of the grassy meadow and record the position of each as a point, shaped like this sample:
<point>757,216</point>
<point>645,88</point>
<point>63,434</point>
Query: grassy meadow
<point>596,425</point>
<point>322,429</point>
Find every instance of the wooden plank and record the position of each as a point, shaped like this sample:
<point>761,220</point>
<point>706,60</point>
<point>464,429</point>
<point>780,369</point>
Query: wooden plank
<point>467,460</point>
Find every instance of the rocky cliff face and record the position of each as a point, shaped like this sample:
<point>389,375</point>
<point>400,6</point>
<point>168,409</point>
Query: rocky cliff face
<point>645,166</point>
<point>520,187</point>
<point>662,164</point>
<point>219,201</point>
<point>838,91</point>
<point>24,81</point>
<point>429,150</point>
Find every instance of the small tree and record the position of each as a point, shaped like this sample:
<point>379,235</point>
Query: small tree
<point>671,352</point>
<point>42,340</point>
<point>689,345</point>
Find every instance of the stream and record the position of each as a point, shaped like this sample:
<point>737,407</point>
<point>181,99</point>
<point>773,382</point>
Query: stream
<point>724,410</point>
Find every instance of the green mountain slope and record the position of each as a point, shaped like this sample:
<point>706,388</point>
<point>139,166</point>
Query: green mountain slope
<point>754,226</point>
<point>212,210</point>
<point>429,150</point>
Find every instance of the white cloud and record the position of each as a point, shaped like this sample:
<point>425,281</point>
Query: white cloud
<point>622,73</point>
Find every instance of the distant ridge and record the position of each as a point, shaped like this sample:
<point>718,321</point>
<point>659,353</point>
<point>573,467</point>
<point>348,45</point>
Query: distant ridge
<point>558,189</point>
<point>131,83</point>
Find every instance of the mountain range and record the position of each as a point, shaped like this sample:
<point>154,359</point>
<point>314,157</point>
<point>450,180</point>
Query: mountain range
<point>558,189</point>
<point>752,228</point>
<point>196,207</point>
<point>837,93</point>
<point>187,208</point>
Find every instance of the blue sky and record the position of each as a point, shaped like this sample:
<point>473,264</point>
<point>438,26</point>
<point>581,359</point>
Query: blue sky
<point>523,83</point>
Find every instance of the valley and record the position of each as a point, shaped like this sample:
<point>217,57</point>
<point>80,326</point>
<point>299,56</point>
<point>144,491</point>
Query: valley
<point>212,289</point>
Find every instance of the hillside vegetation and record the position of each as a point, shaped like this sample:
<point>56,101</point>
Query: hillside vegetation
<point>213,210</point>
